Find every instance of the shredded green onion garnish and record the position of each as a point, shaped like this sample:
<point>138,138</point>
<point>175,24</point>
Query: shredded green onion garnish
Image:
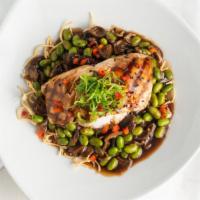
<point>98,94</point>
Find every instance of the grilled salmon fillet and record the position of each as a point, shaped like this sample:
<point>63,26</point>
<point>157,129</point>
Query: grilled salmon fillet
<point>137,71</point>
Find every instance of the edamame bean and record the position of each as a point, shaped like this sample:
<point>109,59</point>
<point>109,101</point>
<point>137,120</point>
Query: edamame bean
<point>137,154</point>
<point>87,52</point>
<point>159,132</point>
<point>113,151</point>
<point>161,98</point>
<point>63,141</point>
<point>135,40</point>
<point>37,118</point>
<point>157,73</point>
<point>67,45</point>
<point>44,62</point>
<point>128,138</point>
<point>73,50</point>
<point>154,100</point>
<point>83,139</point>
<point>155,112</point>
<point>51,126</point>
<point>138,130</point>
<point>82,43</point>
<point>47,71</point>
<point>163,122</point>
<point>154,63</point>
<point>144,44</point>
<point>124,154</point>
<point>36,85</point>
<point>157,87</point>
<point>53,56</point>
<point>168,74</point>
<point>104,41</point>
<point>94,141</point>
<point>67,133</point>
<point>120,142</point>
<point>71,126</point>
<point>87,131</point>
<point>147,117</point>
<point>59,50</point>
<point>138,120</point>
<point>131,148</point>
<point>110,36</point>
<point>61,134</point>
<point>112,164</point>
<point>154,80</point>
<point>105,161</point>
<point>167,88</point>
<point>67,34</point>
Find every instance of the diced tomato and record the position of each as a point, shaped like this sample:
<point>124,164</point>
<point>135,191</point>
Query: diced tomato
<point>118,95</point>
<point>83,61</point>
<point>40,132</point>
<point>101,72</point>
<point>126,77</point>
<point>125,131</point>
<point>163,110</point>
<point>115,128</point>
<point>100,46</point>
<point>76,61</point>
<point>95,52</point>
<point>24,114</point>
<point>57,109</point>
<point>93,158</point>
<point>105,129</point>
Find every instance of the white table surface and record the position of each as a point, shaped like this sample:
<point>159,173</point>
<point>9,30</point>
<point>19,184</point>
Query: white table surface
<point>186,184</point>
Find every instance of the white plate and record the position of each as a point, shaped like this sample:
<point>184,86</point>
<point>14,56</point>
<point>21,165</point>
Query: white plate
<point>36,167</point>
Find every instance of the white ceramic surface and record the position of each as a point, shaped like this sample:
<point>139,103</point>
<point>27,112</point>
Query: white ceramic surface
<point>35,166</point>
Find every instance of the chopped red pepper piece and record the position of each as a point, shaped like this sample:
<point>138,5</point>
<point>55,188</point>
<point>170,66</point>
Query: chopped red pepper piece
<point>40,132</point>
<point>115,128</point>
<point>101,72</point>
<point>126,77</point>
<point>118,95</point>
<point>125,131</point>
<point>105,129</point>
<point>93,158</point>
<point>83,61</point>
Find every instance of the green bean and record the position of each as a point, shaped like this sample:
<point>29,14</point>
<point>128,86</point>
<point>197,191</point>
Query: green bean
<point>67,133</point>
<point>135,40</point>
<point>87,52</point>
<point>131,148</point>
<point>112,164</point>
<point>138,130</point>
<point>67,45</point>
<point>63,141</point>
<point>159,132</point>
<point>163,122</point>
<point>71,126</point>
<point>37,118</point>
<point>67,34</point>
<point>124,155</point>
<point>111,37</point>
<point>73,50</point>
<point>157,87</point>
<point>167,88</point>
<point>144,44</point>
<point>104,41</point>
<point>168,74</point>
<point>94,141</point>
<point>47,71</point>
<point>51,126</point>
<point>161,98</point>
<point>138,120</point>
<point>36,85</point>
<point>87,131</point>
<point>154,100</point>
<point>120,142</point>
<point>157,73</point>
<point>137,154</point>
<point>44,62</point>
<point>59,50</point>
<point>154,112</point>
<point>113,151</point>
<point>105,161</point>
<point>128,138</point>
<point>83,139</point>
<point>147,117</point>
<point>53,56</point>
